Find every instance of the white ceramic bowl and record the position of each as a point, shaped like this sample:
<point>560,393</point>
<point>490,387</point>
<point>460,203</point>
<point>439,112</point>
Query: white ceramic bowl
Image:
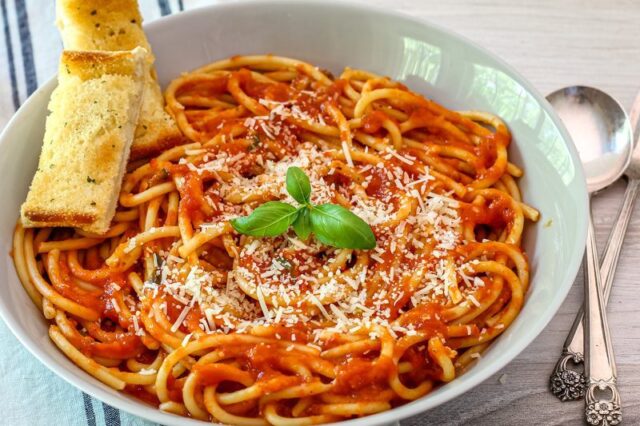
<point>430,60</point>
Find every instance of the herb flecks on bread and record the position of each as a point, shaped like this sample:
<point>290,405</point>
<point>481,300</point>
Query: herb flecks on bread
<point>117,25</point>
<point>88,136</point>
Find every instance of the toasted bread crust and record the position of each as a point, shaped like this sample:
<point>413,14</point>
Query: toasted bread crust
<point>88,136</point>
<point>92,64</point>
<point>55,218</point>
<point>156,130</point>
<point>100,25</point>
<point>117,25</point>
<point>141,151</point>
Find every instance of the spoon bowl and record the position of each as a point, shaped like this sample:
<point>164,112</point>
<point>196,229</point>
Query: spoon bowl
<point>565,375</point>
<point>602,133</point>
<point>600,130</point>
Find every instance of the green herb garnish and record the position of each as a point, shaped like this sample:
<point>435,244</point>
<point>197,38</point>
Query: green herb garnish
<point>302,225</point>
<point>256,142</point>
<point>157,270</point>
<point>284,263</point>
<point>298,185</point>
<point>332,224</point>
<point>269,220</point>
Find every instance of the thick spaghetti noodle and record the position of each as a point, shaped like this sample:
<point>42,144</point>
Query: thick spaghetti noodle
<point>174,306</point>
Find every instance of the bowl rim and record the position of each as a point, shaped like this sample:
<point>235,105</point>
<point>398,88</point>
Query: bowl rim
<point>396,414</point>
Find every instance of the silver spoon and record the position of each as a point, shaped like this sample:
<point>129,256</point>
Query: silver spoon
<point>565,383</point>
<point>601,131</point>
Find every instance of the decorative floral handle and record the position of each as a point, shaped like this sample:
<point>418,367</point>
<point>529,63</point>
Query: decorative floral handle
<point>569,384</point>
<point>603,411</point>
<point>602,398</point>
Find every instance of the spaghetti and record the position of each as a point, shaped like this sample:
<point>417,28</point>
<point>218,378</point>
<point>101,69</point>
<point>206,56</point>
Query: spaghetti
<point>173,306</point>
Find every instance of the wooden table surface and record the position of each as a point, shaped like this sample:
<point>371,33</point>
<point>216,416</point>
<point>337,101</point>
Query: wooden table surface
<point>555,43</point>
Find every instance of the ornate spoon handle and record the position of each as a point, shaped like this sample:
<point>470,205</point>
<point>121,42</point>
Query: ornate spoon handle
<point>602,398</point>
<point>565,383</point>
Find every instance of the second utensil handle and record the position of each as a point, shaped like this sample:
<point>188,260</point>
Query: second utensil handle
<point>565,383</point>
<point>602,398</point>
<point>616,238</point>
<point>574,342</point>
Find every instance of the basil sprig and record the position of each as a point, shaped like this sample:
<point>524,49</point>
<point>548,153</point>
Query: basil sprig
<point>298,185</point>
<point>332,224</point>
<point>270,219</point>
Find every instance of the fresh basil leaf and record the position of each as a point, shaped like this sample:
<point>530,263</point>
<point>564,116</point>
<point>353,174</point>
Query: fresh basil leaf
<point>339,227</point>
<point>302,224</point>
<point>270,219</point>
<point>298,185</point>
